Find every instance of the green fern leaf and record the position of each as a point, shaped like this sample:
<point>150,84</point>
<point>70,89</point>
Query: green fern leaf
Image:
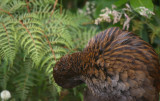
<point>24,81</point>
<point>8,41</point>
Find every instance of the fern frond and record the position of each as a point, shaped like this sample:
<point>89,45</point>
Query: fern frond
<point>82,36</point>
<point>3,75</point>
<point>32,38</point>
<point>8,41</point>
<point>12,5</point>
<point>60,41</point>
<point>3,3</point>
<point>24,81</point>
<point>29,35</point>
<point>6,72</point>
<point>79,19</point>
<point>15,5</point>
<point>43,12</point>
<point>42,2</point>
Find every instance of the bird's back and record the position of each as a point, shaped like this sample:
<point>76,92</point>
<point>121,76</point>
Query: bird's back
<point>125,68</point>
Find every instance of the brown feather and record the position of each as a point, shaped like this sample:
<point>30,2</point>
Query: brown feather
<point>116,65</point>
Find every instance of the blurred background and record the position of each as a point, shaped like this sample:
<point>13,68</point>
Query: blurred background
<point>34,34</point>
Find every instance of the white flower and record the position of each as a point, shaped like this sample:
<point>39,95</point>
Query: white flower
<point>88,9</point>
<point>87,3</point>
<point>88,12</point>
<point>97,21</point>
<point>90,6</point>
<point>93,3</point>
<point>103,10</point>
<point>106,16</point>
<point>117,16</point>
<point>5,95</point>
<point>128,8</point>
<point>80,11</point>
<point>144,11</point>
<point>113,7</point>
<point>126,23</point>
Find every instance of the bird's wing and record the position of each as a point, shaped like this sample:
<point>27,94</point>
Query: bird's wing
<point>124,53</point>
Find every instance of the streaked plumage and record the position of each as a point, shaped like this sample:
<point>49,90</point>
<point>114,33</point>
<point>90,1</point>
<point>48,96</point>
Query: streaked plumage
<point>116,65</point>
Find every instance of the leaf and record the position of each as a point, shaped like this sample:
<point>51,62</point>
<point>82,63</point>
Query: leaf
<point>120,3</point>
<point>25,80</point>
<point>7,40</point>
<point>15,5</point>
<point>144,34</point>
<point>141,3</point>
<point>82,37</point>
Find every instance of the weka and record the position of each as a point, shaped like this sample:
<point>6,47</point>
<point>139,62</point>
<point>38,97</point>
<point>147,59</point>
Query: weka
<point>116,65</point>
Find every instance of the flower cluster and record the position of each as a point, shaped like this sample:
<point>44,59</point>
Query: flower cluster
<point>108,14</point>
<point>90,8</point>
<point>144,11</point>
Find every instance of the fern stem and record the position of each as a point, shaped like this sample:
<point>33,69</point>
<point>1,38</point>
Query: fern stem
<point>27,31</point>
<point>61,7</point>
<point>53,9</point>
<point>28,6</point>
<point>50,47</point>
<point>24,86</point>
<point>6,32</point>
<point>7,13</point>
<point>7,35</point>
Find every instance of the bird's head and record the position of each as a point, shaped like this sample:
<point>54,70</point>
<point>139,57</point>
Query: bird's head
<point>64,73</point>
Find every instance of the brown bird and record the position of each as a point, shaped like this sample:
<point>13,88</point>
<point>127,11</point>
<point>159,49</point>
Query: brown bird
<point>116,65</point>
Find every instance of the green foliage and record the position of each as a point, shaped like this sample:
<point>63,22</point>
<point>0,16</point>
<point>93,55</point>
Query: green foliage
<point>24,81</point>
<point>141,3</point>
<point>119,3</point>
<point>33,37</point>
<point>8,41</point>
<point>82,36</point>
<point>31,40</point>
